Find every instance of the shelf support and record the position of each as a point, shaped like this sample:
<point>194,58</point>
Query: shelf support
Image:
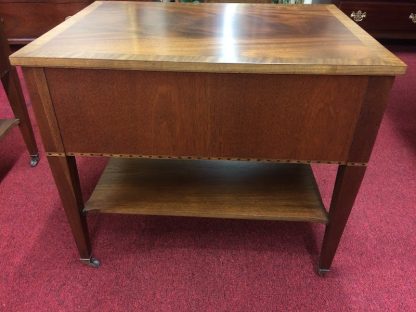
<point>346,188</point>
<point>64,170</point>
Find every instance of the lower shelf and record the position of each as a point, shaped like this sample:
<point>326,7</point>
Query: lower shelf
<point>207,188</point>
<point>6,125</point>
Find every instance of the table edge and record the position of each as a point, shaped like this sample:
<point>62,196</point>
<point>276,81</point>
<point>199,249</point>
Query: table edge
<point>146,63</point>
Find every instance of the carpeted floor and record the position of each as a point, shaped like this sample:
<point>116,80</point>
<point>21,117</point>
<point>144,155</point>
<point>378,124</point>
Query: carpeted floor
<point>191,264</point>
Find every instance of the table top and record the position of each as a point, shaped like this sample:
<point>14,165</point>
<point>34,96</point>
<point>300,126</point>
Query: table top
<point>224,38</point>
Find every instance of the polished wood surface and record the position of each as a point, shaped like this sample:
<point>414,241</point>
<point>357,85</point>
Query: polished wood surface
<point>6,125</point>
<point>241,38</point>
<point>216,189</point>
<point>205,114</point>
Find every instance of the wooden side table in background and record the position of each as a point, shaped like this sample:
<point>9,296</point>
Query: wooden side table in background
<point>11,85</point>
<point>386,19</point>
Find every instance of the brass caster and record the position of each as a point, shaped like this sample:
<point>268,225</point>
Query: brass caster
<point>92,262</point>
<point>34,160</point>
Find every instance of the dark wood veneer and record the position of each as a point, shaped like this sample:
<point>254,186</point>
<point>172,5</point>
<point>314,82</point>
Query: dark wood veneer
<point>155,113</point>
<point>26,20</point>
<point>385,19</point>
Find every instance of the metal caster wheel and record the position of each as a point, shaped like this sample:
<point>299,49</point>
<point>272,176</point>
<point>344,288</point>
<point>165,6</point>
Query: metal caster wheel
<point>92,262</point>
<point>34,160</point>
<point>322,272</point>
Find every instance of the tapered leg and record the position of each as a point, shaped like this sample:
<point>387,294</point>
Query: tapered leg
<point>65,173</point>
<point>14,92</point>
<point>346,188</point>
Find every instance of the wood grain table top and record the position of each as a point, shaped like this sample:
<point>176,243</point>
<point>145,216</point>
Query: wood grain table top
<point>223,38</point>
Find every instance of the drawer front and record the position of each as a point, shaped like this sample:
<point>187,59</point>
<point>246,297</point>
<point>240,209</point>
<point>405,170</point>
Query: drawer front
<point>382,16</point>
<point>297,117</point>
<point>25,21</point>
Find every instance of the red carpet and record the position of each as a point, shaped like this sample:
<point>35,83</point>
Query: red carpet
<point>190,264</point>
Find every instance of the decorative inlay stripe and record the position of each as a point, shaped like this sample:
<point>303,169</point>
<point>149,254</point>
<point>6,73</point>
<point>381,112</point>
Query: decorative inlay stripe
<point>55,154</point>
<point>289,161</point>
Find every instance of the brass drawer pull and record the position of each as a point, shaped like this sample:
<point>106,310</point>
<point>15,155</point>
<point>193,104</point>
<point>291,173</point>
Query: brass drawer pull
<point>358,16</point>
<point>413,17</point>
